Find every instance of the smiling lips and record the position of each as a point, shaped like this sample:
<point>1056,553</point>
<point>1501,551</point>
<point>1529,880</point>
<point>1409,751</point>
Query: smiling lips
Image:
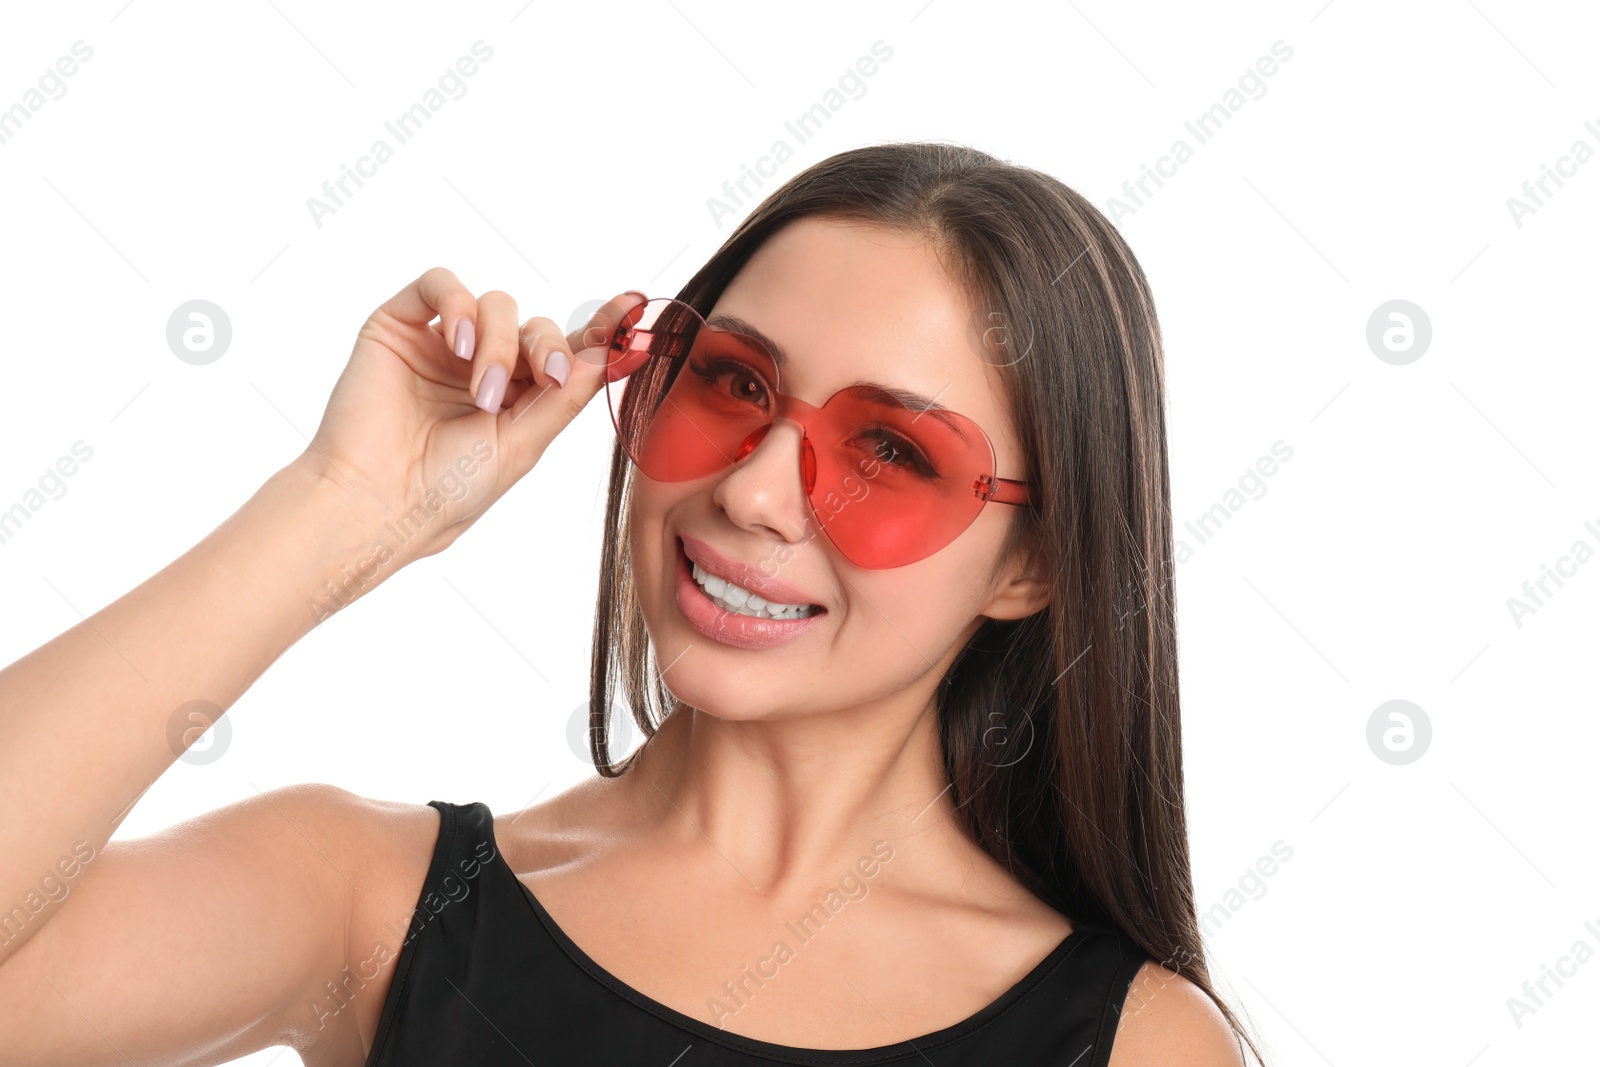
<point>744,576</point>
<point>728,627</point>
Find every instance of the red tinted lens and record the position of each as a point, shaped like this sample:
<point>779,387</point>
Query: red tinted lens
<point>894,485</point>
<point>693,394</point>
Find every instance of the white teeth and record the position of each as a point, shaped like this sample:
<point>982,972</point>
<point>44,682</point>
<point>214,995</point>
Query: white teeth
<point>741,601</point>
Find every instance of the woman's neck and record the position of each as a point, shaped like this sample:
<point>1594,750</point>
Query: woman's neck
<point>786,802</point>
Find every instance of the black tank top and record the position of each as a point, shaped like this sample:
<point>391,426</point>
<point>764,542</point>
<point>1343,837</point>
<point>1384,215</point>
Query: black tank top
<point>485,977</point>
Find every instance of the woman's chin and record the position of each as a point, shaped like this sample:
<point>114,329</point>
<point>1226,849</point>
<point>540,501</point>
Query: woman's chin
<point>724,707</point>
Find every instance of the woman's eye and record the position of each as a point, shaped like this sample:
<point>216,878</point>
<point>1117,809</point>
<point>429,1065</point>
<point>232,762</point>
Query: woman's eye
<point>747,388</point>
<point>896,451</point>
<point>733,379</point>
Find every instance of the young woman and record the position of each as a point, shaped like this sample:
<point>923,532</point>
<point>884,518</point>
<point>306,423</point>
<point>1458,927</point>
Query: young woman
<point>887,586</point>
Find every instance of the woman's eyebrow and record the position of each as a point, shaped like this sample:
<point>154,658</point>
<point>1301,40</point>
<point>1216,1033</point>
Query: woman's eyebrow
<point>915,401</point>
<point>738,325</point>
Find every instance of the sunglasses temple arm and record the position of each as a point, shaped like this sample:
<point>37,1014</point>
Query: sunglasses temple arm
<point>1003,491</point>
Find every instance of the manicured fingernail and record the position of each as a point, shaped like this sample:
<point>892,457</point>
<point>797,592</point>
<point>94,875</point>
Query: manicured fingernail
<point>466,336</point>
<point>557,366</point>
<point>492,388</point>
<point>637,293</point>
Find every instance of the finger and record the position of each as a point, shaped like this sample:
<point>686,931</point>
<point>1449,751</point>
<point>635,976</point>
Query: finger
<point>540,413</point>
<point>546,352</point>
<point>597,332</point>
<point>517,388</point>
<point>438,293</point>
<point>496,354</point>
<point>446,344</point>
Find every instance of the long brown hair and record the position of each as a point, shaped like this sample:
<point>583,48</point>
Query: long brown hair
<point>1090,815</point>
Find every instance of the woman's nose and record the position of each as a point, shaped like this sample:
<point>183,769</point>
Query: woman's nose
<point>764,488</point>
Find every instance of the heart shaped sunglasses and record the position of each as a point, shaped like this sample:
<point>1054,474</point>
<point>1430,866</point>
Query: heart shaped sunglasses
<point>888,484</point>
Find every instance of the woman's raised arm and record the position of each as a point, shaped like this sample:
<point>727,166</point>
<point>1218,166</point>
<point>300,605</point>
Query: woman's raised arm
<point>214,924</point>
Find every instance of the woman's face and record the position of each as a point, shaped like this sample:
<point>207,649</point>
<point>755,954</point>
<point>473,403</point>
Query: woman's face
<point>845,301</point>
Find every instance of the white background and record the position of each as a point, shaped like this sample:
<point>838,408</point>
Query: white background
<point>1377,565</point>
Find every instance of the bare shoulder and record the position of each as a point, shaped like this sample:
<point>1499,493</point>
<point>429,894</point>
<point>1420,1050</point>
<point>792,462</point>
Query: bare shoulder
<point>381,849</point>
<point>384,837</point>
<point>229,932</point>
<point>374,848</point>
<point>363,830</point>
<point>1168,1021</point>
<point>562,829</point>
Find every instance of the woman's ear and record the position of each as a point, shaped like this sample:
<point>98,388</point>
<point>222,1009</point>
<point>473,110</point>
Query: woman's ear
<point>1024,588</point>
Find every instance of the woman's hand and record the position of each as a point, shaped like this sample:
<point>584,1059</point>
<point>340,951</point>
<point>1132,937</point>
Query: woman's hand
<point>408,429</point>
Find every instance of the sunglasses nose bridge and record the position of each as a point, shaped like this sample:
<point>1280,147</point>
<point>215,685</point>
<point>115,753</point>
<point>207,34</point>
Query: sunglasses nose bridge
<point>753,492</point>
<point>763,435</point>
